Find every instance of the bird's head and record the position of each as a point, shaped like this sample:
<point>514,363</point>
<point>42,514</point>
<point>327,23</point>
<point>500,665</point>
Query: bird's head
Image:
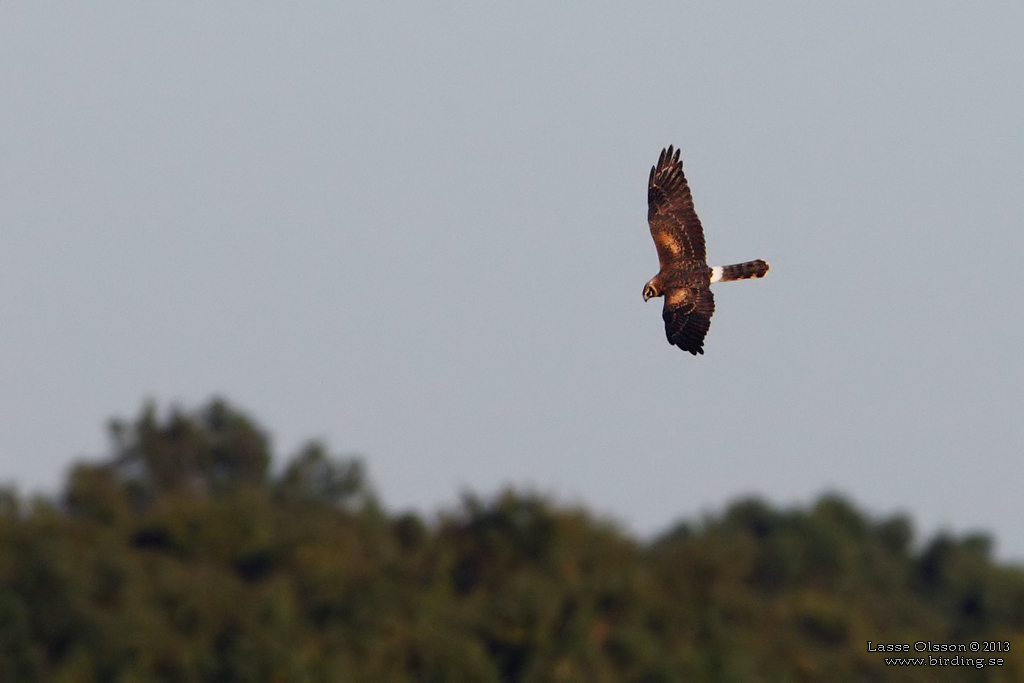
<point>651,290</point>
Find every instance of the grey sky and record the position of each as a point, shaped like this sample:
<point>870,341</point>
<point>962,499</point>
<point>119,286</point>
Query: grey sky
<point>418,232</point>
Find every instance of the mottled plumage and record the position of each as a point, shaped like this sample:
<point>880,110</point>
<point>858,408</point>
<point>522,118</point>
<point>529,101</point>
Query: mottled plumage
<point>685,278</point>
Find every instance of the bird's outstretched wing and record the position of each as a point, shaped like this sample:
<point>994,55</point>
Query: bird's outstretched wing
<point>674,224</point>
<point>687,315</point>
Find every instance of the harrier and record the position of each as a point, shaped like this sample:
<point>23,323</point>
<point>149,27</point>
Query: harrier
<point>685,278</point>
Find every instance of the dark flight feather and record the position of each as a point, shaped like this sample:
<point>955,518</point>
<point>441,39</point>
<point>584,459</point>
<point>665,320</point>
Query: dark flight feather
<point>687,316</point>
<point>674,224</point>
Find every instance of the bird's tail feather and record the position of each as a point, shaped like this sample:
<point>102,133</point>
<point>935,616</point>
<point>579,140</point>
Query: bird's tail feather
<point>739,271</point>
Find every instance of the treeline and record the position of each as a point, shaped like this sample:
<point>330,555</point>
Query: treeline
<point>184,557</point>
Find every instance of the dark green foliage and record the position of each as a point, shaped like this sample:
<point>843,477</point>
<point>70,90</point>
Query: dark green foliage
<point>181,558</point>
<point>314,478</point>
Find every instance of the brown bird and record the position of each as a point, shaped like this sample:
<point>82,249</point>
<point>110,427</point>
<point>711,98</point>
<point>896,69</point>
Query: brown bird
<point>685,278</point>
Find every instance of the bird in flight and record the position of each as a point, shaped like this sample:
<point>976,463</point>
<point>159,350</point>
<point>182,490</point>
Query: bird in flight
<point>684,279</point>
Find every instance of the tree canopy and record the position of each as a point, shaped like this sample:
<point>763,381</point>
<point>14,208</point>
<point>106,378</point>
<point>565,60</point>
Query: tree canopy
<point>183,556</point>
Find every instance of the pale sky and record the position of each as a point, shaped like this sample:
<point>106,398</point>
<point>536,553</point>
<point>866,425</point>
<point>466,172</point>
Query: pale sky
<point>418,232</point>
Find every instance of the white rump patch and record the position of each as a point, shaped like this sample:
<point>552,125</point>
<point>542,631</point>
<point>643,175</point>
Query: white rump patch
<point>716,273</point>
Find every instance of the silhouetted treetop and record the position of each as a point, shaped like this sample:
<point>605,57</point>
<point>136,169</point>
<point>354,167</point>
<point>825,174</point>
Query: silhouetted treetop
<point>213,450</point>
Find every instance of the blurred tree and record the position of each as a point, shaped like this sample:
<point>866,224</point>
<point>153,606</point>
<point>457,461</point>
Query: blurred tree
<point>314,477</point>
<point>211,452</point>
<point>180,558</point>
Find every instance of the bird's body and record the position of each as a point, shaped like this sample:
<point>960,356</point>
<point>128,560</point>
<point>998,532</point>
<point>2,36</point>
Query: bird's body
<point>685,278</point>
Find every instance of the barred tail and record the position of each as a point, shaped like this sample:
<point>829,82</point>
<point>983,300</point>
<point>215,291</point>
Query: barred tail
<point>739,271</point>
